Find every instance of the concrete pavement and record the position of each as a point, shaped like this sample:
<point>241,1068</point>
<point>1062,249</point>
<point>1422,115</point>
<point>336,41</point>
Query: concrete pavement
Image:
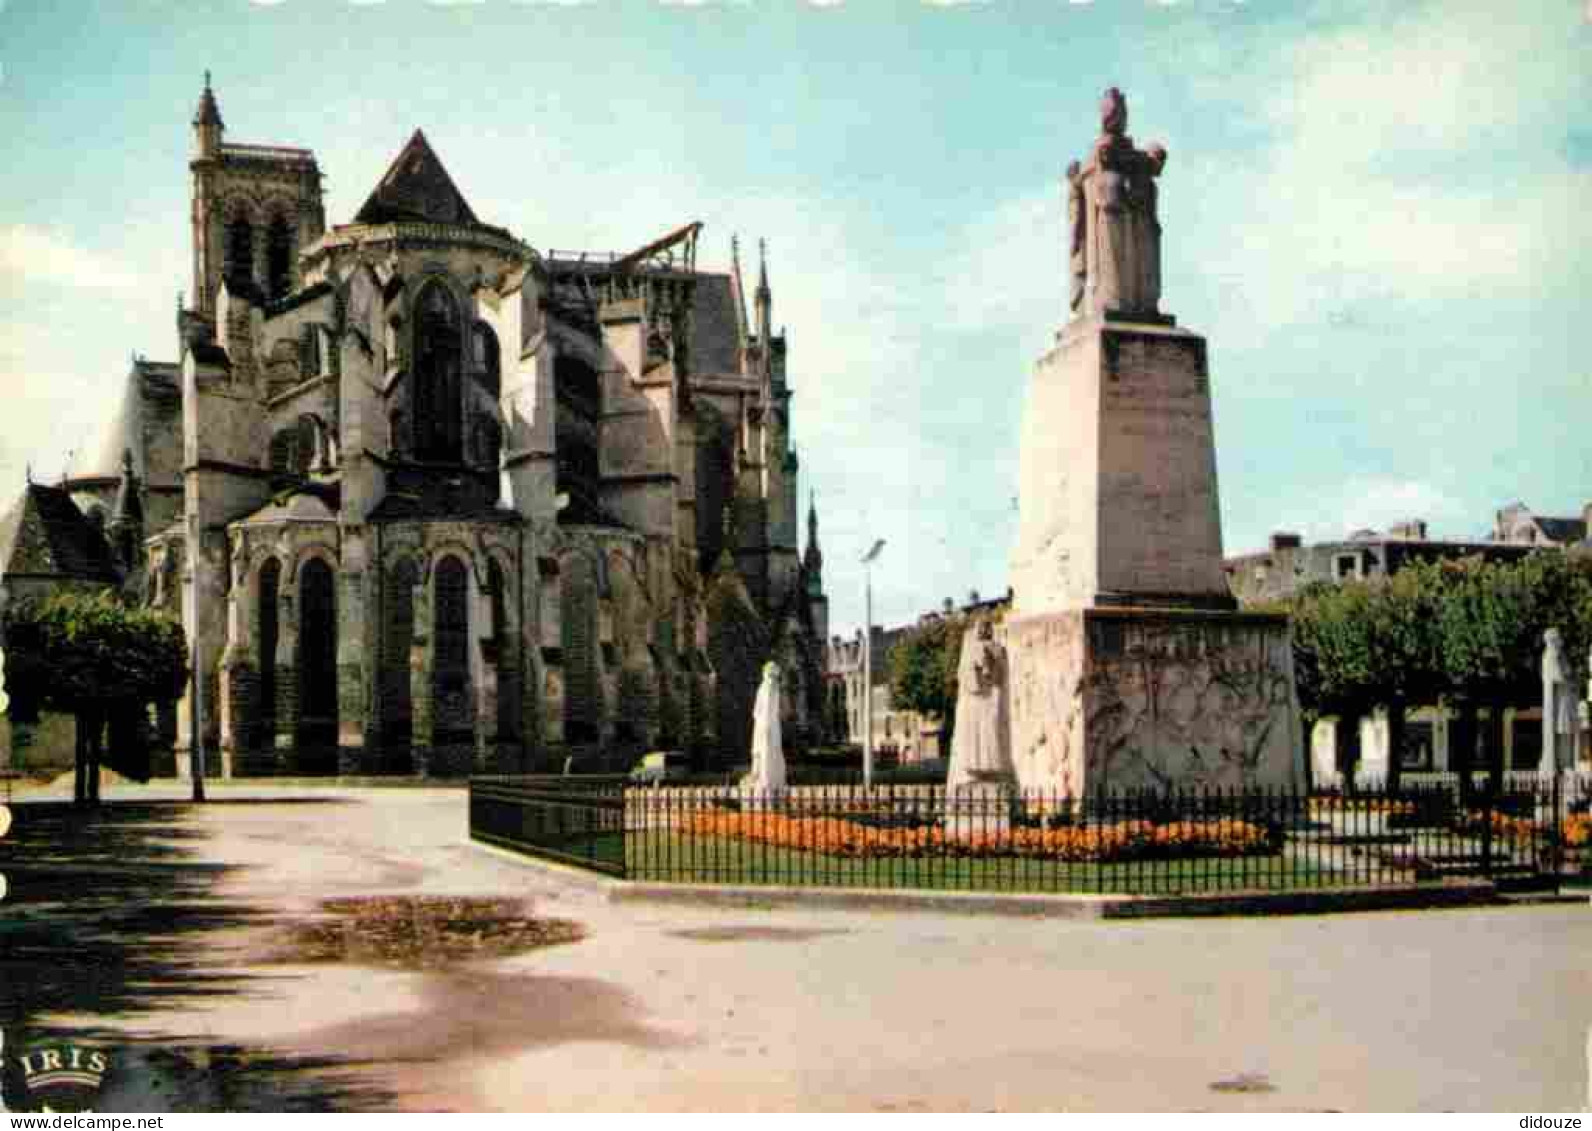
<point>667,1008</point>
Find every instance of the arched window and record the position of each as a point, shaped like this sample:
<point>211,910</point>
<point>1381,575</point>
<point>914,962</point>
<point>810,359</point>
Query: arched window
<point>488,441</point>
<point>269,590</point>
<point>502,652</point>
<point>398,432</point>
<point>307,443</point>
<point>397,635</point>
<point>715,488</point>
<point>317,660</point>
<point>278,257</point>
<point>451,660</point>
<point>496,597</point>
<point>583,702</point>
<point>437,401</point>
<point>575,431</point>
<point>487,360</point>
<point>238,264</point>
<point>284,453</point>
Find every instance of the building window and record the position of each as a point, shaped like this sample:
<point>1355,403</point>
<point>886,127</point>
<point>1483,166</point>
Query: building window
<point>398,628</point>
<point>238,265</point>
<point>488,441</point>
<point>436,377</point>
<point>278,257</point>
<point>576,429</point>
<point>451,653</point>
<point>1346,567</point>
<point>487,364</point>
<point>270,596</point>
<point>317,659</point>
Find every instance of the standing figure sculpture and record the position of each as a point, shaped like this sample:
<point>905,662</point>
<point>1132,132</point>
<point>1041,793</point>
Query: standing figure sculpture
<point>1115,231</point>
<point>1560,706</point>
<point>768,755</point>
<point>981,743</point>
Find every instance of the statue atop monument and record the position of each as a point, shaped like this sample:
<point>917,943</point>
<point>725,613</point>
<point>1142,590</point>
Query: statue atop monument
<point>1114,231</point>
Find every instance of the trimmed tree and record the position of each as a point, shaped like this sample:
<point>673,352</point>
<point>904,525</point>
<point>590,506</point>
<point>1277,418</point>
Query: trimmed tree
<point>1491,625</point>
<point>95,658</point>
<point>922,668</point>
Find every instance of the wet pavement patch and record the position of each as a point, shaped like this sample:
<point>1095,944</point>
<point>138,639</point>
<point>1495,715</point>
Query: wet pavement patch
<point>417,933</point>
<point>752,934</point>
<point>1247,1083</point>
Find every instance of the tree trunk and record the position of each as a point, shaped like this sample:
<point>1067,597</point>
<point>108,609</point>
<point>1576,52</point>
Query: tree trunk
<point>1346,737</point>
<point>1495,744</point>
<point>96,753</point>
<point>80,759</point>
<point>1462,748</point>
<point>1395,742</point>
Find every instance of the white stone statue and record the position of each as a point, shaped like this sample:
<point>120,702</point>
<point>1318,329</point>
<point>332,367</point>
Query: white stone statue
<point>1115,229</point>
<point>1560,706</point>
<point>768,752</point>
<point>981,742</point>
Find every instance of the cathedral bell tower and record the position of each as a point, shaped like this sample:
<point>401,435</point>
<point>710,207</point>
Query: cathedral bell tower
<point>254,207</point>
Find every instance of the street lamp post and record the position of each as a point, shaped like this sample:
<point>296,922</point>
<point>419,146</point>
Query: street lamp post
<point>867,664</point>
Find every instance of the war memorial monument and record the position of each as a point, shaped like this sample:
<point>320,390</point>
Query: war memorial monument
<point>1127,664</point>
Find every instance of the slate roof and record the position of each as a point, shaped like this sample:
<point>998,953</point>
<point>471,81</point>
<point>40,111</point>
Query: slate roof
<point>582,511</point>
<point>416,187</point>
<point>308,504</point>
<point>1562,530</point>
<point>45,535</point>
<point>147,381</point>
<point>438,500</point>
<point>715,345</point>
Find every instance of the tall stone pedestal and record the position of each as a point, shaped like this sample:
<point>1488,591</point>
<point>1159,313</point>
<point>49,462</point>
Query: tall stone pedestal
<point>1118,489</point>
<point>1132,698</point>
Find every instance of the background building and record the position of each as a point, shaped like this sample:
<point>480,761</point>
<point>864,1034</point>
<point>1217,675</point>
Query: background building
<point>1432,734</point>
<point>900,735</point>
<point>429,499</point>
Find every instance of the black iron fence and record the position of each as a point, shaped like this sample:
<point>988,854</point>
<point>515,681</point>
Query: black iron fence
<point>576,820</point>
<point>1523,833</point>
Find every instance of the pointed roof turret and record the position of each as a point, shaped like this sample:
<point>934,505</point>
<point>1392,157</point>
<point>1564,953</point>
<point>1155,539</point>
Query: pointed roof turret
<point>416,187</point>
<point>814,557</point>
<point>208,113</point>
<point>128,508</point>
<point>739,289</point>
<point>765,316</point>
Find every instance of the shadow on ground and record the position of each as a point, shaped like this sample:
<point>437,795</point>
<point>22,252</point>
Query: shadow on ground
<point>109,916</point>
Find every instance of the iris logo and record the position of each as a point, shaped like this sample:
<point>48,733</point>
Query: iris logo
<point>62,1078</point>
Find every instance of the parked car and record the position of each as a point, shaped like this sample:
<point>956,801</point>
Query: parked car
<point>660,766</point>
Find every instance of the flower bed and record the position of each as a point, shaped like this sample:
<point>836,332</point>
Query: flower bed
<point>1578,831</point>
<point>1126,840</point>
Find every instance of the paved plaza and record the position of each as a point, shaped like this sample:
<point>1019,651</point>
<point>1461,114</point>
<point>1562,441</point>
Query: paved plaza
<point>667,1008</point>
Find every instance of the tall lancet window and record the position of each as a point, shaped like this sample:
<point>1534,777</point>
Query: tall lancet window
<point>438,352</point>
<point>238,265</point>
<point>278,257</point>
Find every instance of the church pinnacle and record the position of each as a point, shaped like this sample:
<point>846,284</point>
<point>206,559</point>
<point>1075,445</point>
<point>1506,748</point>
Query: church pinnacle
<point>814,556</point>
<point>208,113</point>
<point>207,124</point>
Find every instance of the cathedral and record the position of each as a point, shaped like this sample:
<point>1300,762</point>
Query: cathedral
<point>431,500</point>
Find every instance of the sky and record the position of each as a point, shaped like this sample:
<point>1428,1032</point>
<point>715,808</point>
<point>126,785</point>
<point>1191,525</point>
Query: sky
<point>1376,212</point>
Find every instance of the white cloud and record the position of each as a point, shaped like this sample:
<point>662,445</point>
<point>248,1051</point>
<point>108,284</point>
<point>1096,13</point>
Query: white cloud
<point>1375,188</point>
<point>37,255</point>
